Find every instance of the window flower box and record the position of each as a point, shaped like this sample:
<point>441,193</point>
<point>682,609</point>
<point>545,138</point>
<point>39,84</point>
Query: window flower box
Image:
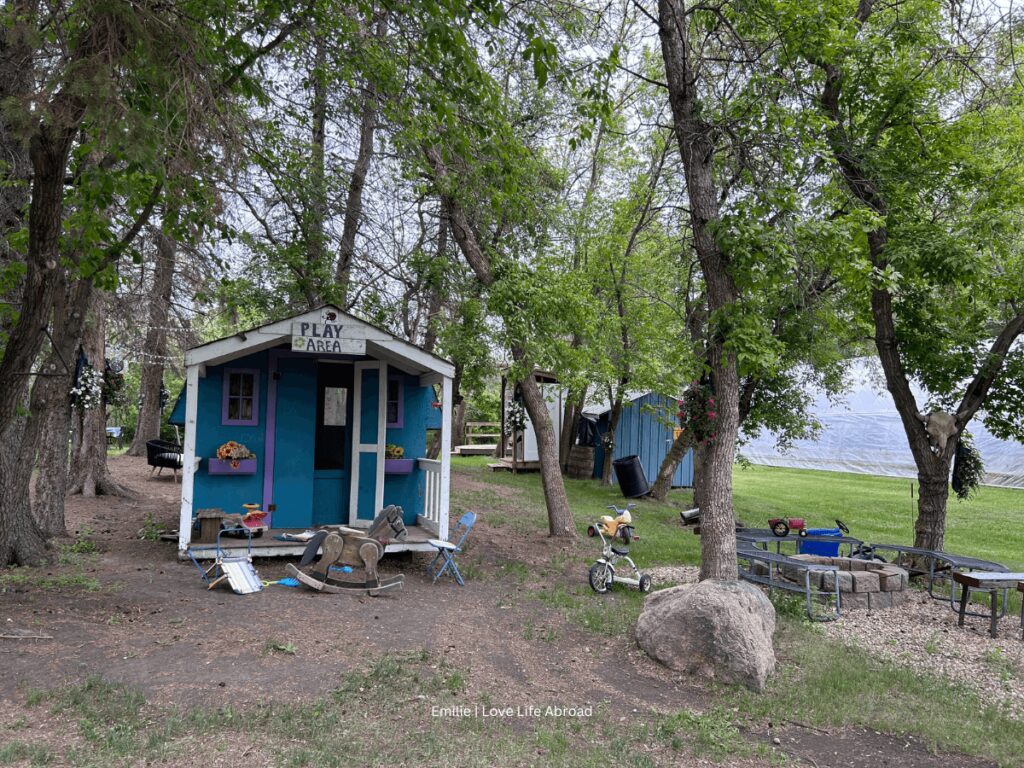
<point>399,466</point>
<point>231,467</point>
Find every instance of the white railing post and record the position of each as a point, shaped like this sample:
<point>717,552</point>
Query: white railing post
<point>431,493</point>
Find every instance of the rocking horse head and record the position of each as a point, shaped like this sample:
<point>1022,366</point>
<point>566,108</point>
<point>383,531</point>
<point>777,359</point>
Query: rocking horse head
<point>388,525</point>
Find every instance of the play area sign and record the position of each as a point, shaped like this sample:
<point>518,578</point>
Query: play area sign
<point>325,338</point>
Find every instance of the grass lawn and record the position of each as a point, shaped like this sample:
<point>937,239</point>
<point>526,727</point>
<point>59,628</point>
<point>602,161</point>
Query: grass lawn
<point>881,510</point>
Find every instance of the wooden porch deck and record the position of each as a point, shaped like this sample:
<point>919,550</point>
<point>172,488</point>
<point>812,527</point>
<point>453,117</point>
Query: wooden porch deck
<point>268,546</point>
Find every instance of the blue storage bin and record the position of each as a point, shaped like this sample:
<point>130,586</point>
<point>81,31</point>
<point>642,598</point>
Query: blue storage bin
<point>823,548</point>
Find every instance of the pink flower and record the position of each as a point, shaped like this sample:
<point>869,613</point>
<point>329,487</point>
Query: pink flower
<point>711,401</point>
<point>712,415</point>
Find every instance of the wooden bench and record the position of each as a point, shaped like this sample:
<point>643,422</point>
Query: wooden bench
<point>774,579</point>
<point>993,583</point>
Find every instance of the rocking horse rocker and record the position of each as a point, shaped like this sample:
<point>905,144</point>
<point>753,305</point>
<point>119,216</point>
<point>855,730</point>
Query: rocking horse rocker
<point>360,549</point>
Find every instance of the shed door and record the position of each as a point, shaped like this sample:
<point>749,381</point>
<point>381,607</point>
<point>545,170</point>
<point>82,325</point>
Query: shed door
<point>369,398</point>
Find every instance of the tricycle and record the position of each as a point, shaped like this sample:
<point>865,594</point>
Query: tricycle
<point>616,533</point>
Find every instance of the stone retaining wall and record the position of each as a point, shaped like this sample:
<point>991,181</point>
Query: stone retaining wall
<point>862,583</point>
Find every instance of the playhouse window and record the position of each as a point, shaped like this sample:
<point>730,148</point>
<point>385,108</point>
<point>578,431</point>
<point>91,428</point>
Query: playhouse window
<point>395,409</point>
<point>241,389</point>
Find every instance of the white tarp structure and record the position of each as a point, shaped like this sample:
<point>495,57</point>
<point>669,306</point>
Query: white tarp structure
<point>863,433</point>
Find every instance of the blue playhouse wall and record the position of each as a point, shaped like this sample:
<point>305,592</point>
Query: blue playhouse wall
<point>228,492</point>
<point>302,496</point>
<point>645,430</point>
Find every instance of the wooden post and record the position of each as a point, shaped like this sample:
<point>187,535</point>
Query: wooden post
<point>446,454</point>
<point>188,469</point>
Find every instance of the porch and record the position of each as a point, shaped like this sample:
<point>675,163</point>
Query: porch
<point>427,526</point>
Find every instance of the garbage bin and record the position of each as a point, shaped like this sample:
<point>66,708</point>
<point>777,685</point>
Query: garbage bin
<point>632,481</point>
<point>823,548</point>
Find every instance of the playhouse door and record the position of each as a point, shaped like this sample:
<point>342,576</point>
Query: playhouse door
<point>332,453</point>
<point>369,396</point>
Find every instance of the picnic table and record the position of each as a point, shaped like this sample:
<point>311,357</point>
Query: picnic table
<point>993,583</point>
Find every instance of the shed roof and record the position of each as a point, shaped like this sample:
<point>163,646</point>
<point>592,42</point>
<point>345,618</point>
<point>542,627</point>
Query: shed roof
<point>602,407</point>
<point>379,343</point>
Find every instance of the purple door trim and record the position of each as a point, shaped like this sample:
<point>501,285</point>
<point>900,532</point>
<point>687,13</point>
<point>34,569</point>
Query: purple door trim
<point>270,438</point>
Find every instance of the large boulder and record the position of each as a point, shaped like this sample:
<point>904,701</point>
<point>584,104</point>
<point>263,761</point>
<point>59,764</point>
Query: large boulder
<point>715,629</point>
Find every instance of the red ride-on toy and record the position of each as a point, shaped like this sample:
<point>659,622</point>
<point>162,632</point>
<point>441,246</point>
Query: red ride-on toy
<point>781,526</point>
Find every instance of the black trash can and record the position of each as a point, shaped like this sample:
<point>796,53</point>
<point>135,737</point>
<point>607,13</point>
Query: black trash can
<point>632,481</point>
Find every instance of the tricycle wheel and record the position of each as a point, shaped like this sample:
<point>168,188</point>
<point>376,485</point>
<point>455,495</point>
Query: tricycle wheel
<point>780,528</point>
<point>842,527</point>
<point>645,583</point>
<point>599,577</point>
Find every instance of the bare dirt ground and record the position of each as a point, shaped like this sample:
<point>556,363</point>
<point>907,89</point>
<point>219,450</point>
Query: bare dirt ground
<point>152,624</point>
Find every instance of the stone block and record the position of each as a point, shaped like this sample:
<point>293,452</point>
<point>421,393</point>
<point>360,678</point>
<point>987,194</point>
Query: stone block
<point>828,581</point>
<point>879,600</point>
<point>864,581</point>
<point>850,601</point>
<point>856,565</point>
<point>891,578</point>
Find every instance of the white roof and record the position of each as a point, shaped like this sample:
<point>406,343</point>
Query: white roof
<point>602,407</point>
<point>380,344</point>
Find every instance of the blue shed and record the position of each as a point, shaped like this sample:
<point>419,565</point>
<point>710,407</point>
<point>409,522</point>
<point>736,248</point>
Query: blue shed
<point>646,429</point>
<point>319,399</point>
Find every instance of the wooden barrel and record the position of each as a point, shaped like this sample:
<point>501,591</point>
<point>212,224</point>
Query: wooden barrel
<point>581,462</point>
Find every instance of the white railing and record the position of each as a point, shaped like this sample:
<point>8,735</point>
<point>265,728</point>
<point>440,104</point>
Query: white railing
<point>431,517</point>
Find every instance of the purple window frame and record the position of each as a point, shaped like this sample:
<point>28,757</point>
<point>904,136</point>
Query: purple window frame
<point>255,420</point>
<point>400,420</point>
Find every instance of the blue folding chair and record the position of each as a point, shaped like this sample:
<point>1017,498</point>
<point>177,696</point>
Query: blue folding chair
<point>446,550</point>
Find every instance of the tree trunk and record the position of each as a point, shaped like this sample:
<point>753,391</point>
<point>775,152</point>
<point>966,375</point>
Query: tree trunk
<point>663,483</point>
<point>570,426</point>
<point>609,439</point>
<point>21,541</point>
<point>933,493</point>
<point>459,421</point>
<point>696,139</point>
<point>53,454</point>
<point>354,199</point>
<point>699,463</point>
<point>89,474</point>
<point>148,425</point>
<point>560,522</point>
<point>49,425</point>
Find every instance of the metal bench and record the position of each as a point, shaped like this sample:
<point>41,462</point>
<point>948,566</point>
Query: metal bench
<point>774,578</point>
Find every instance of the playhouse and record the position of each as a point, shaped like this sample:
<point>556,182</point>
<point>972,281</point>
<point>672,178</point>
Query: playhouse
<point>333,414</point>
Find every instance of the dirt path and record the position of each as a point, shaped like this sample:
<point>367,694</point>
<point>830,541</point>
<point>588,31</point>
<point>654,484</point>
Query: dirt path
<point>153,624</point>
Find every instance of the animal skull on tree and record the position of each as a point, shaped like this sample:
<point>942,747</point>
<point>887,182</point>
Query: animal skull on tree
<point>940,426</point>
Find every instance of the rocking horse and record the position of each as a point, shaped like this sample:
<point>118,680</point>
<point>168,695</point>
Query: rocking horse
<point>350,547</point>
